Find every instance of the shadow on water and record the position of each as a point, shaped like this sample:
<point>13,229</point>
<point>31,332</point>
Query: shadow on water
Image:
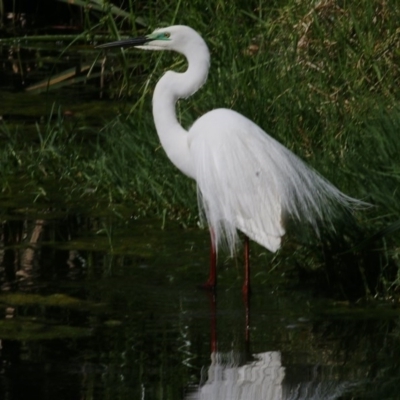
<point>93,309</point>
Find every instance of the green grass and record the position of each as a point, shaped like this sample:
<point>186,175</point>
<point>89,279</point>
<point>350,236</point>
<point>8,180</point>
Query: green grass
<point>321,77</point>
<point>123,162</point>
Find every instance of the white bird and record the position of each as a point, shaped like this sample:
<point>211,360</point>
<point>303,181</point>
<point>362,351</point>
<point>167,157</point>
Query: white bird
<point>246,180</point>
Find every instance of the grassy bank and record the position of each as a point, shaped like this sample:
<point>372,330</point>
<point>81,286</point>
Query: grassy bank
<point>321,77</point>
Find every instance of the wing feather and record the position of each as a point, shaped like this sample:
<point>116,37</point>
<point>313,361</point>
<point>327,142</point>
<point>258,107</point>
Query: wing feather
<point>247,180</point>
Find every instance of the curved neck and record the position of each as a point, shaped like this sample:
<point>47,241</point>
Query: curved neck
<point>171,87</point>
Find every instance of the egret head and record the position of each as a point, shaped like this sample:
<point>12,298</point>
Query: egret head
<point>179,38</point>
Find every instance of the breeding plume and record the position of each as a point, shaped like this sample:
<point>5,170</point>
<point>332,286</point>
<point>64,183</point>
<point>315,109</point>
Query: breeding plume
<point>246,180</point>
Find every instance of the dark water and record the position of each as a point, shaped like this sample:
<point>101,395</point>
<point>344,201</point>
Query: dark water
<point>97,308</point>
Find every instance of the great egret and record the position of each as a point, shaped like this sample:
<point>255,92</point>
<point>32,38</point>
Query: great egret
<point>246,180</point>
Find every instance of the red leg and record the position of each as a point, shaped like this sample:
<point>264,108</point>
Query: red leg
<point>246,290</point>
<point>246,284</point>
<point>212,279</point>
<point>247,328</point>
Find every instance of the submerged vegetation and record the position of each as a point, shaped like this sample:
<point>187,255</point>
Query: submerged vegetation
<point>322,77</point>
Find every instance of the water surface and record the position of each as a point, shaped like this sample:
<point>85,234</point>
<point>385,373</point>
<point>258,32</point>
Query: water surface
<point>100,308</point>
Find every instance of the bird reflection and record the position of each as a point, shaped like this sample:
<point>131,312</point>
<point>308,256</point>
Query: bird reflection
<point>262,376</point>
<point>263,379</point>
<point>259,379</point>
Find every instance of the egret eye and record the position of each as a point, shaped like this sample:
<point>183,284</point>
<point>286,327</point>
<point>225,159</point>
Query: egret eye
<point>167,35</point>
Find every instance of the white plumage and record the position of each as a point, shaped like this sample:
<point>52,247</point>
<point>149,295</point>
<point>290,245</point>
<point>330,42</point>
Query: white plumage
<point>237,185</point>
<point>246,180</point>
